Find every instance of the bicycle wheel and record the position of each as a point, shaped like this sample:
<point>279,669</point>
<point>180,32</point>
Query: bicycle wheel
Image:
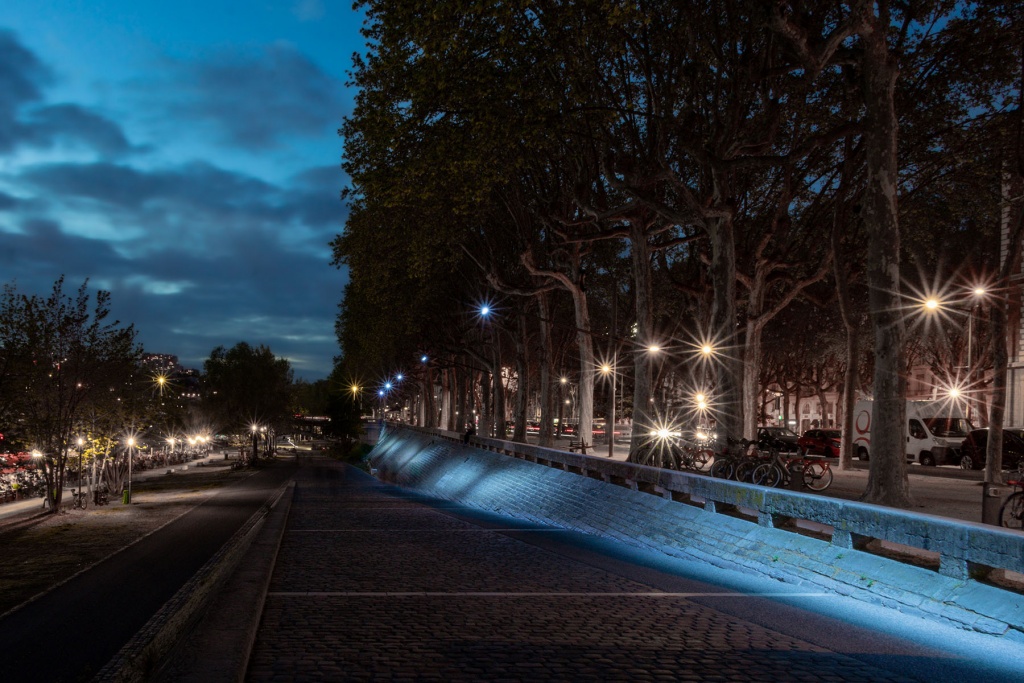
<point>721,468</point>
<point>767,474</point>
<point>1011,515</point>
<point>745,470</point>
<point>703,457</point>
<point>674,457</point>
<point>817,476</point>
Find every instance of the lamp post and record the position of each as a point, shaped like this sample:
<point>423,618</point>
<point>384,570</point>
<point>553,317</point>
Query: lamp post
<point>609,370</point>
<point>255,442</point>
<point>562,381</point>
<point>131,452</point>
<point>80,442</point>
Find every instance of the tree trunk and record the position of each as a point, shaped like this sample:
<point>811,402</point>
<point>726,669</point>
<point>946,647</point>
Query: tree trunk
<point>483,414</point>
<point>586,349</point>
<point>446,400</point>
<point>1012,224</point>
<point>887,480</point>
<point>546,354</point>
<point>727,397</point>
<point>523,383</point>
<point>644,418</point>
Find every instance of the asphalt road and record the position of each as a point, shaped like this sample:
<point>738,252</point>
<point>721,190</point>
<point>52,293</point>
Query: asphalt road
<point>72,631</point>
<point>376,583</point>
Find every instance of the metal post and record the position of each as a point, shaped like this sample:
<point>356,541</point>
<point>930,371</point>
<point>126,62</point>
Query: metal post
<point>131,447</point>
<point>611,412</point>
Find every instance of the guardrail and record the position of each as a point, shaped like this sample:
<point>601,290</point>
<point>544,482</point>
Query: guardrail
<point>963,549</point>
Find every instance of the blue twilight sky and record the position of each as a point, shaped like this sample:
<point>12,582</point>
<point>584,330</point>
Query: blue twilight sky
<point>183,155</point>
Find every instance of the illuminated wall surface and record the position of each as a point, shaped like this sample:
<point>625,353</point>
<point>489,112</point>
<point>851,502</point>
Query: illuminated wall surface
<point>525,490</point>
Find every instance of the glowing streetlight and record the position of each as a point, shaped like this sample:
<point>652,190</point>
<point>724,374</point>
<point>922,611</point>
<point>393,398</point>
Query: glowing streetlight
<point>608,369</point>
<point>80,443</point>
<point>931,304</point>
<point>653,348</point>
<point>399,377</point>
<point>131,456</point>
<point>423,358</point>
<point>485,311</point>
<point>706,350</point>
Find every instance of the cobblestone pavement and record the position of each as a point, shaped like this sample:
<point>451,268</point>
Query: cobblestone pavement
<point>373,583</point>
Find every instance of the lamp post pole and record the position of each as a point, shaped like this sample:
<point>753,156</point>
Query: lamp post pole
<point>80,443</point>
<point>611,410</point>
<point>131,449</point>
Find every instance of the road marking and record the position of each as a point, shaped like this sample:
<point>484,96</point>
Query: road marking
<point>478,594</point>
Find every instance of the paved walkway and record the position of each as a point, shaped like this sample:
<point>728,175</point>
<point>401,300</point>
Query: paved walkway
<point>375,583</point>
<point>69,633</point>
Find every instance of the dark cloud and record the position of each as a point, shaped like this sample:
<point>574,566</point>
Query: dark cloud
<point>254,100</point>
<point>193,184</point>
<point>187,302</point>
<point>25,119</point>
<point>321,178</point>
<point>198,193</point>
<point>75,124</point>
<point>22,75</point>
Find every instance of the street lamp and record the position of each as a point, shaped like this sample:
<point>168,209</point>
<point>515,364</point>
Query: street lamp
<point>131,453</point>
<point>608,369</point>
<point>80,442</point>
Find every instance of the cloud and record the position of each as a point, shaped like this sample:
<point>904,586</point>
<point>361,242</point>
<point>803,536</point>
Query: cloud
<point>254,100</point>
<point>7,202</point>
<point>22,75</point>
<point>186,302</point>
<point>308,10</point>
<point>198,183</point>
<point>26,121</point>
<point>74,124</point>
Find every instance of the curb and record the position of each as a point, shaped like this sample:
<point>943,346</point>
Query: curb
<point>219,647</point>
<point>140,657</point>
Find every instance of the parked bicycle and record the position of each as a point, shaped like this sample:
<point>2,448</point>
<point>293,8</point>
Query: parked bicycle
<point>1011,515</point>
<point>733,459</point>
<point>79,501</point>
<point>815,473</point>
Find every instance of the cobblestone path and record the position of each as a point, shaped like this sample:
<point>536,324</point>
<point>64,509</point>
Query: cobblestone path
<point>374,584</point>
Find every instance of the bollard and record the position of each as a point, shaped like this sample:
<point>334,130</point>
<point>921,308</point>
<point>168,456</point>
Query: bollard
<point>796,478</point>
<point>124,497</point>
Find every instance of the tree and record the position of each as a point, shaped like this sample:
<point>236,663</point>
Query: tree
<point>62,355</point>
<point>246,387</point>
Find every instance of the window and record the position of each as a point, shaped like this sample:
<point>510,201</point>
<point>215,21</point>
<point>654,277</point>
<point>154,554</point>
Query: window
<point>917,430</point>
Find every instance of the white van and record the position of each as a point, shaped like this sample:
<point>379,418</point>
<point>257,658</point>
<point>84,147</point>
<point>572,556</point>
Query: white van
<point>935,431</point>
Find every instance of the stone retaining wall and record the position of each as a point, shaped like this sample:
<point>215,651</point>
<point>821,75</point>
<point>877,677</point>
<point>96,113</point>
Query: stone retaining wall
<point>794,537</point>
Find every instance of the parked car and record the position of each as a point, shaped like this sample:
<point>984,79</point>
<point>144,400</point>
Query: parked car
<point>820,442</point>
<point>972,450</point>
<point>779,438</point>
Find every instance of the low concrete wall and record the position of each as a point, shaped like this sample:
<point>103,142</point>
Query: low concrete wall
<point>794,537</point>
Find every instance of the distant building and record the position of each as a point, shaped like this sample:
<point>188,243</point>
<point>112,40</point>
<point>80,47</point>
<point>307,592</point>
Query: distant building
<point>161,363</point>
